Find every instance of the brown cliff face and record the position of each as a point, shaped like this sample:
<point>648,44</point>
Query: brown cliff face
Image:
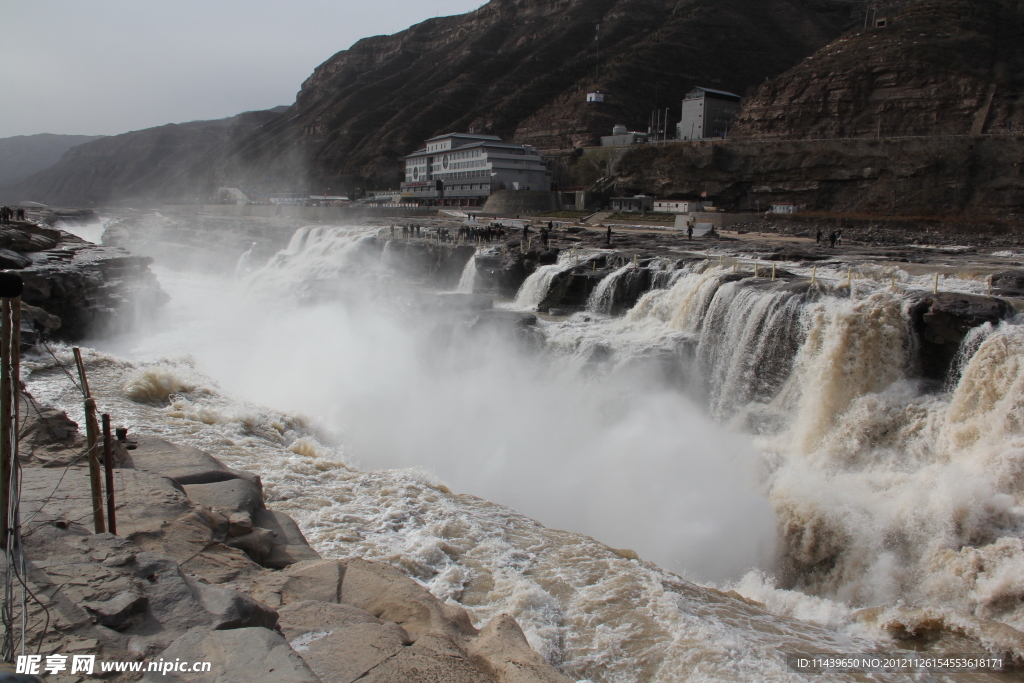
<point>520,69</point>
<point>942,67</point>
<point>910,176</point>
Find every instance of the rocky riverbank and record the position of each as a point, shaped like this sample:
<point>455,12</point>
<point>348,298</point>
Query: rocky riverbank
<point>74,288</point>
<point>201,570</point>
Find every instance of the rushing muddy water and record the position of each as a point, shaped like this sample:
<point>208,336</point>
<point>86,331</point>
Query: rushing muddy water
<point>769,440</point>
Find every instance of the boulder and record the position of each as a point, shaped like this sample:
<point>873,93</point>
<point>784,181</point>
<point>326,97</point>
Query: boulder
<point>257,544</point>
<point>318,580</point>
<point>289,545</point>
<point>243,655</point>
<point>502,645</point>
<point>115,612</point>
<point>233,495</point>
<point>340,642</point>
<point>12,260</point>
<point>239,524</point>
<point>388,594</point>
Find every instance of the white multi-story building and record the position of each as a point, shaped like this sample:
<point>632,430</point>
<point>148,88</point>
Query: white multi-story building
<point>707,114</point>
<point>462,169</point>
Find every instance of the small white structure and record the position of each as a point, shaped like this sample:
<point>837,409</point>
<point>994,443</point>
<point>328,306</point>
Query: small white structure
<point>595,96</point>
<point>783,207</point>
<point>679,205</point>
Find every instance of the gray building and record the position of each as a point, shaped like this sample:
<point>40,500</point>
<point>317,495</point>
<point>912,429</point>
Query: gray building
<point>462,169</point>
<point>635,204</point>
<point>707,114</point>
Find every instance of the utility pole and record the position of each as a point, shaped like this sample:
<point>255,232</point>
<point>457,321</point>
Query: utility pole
<point>597,54</point>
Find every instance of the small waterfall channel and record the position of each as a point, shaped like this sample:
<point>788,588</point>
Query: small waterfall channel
<point>533,290</point>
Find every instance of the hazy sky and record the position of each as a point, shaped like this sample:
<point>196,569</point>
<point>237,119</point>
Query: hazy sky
<point>102,67</point>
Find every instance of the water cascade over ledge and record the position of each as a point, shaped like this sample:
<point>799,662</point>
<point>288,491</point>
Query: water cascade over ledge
<point>780,439</point>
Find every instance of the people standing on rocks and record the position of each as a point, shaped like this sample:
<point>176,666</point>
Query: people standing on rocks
<point>608,237</point>
<point>839,238</point>
<point>5,215</point>
<point>544,236</point>
<point>817,237</point>
<point>21,214</point>
<point>392,231</point>
<point>689,232</point>
<point>832,239</point>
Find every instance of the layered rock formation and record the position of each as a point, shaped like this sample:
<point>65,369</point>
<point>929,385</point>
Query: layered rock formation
<point>863,125</point>
<point>90,290</point>
<point>916,177</point>
<point>941,67</point>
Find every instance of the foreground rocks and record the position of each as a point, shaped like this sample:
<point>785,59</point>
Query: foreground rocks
<point>201,570</point>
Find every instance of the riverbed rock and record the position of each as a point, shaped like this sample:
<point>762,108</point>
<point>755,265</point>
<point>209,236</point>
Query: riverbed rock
<point>233,495</point>
<point>183,464</point>
<point>941,322</point>
<point>357,620</point>
<point>288,545</point>
<point>106,587</point>
<point>390,595</point>
<point>12,260</point>
<point>93,290</point>
<point>244,655</point>
<point>502,645</point>
<point>318,580</point>
<point>340,642</point>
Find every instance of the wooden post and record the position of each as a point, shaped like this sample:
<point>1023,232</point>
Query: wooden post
<point>814,274</point>
<point>773,272</point>
<point>6,414</point>
<point>935,289</point>
<point>108,468</point>
<point>990,285</point>
<point>92,438</point>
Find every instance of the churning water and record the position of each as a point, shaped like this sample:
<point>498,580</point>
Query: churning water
<point>770,440</point>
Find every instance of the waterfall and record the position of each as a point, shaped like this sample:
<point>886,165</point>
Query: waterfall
<point>748,340</point>
<point>244,264</point>
<point>468,279</point>
<point>600,300</point>
<point>318,252</point>
<point>532,292</point>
